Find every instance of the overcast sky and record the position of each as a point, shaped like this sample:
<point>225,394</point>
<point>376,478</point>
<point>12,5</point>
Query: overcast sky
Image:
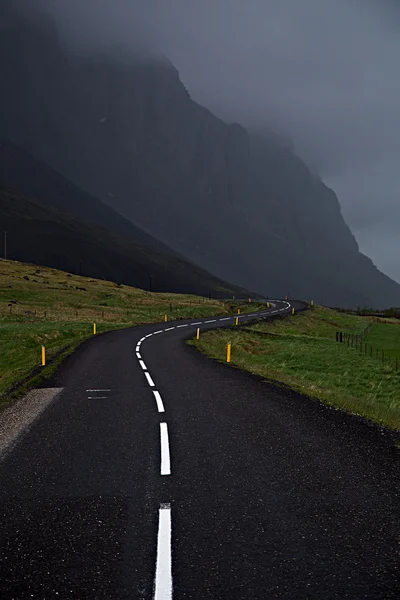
<point>326,72</point>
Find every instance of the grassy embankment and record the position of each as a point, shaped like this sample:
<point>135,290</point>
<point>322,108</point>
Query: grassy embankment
<point>44,306</point>
<point>301,352</point>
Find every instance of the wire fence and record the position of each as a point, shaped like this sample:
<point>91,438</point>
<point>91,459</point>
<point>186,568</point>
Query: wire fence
<point>357,342</point>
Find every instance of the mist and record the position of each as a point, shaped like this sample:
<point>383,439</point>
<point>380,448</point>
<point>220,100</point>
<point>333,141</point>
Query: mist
<point>323,72</point>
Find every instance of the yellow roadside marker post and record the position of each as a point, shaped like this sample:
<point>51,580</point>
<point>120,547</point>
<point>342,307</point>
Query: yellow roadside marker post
<point>237,320</point>
<point>94,329</point>
<point>43,356</point>
<point>165,318</point>
<point>238,311</point>
<point>228,352</point>
<point>292,311</point>
<point>198,333</point>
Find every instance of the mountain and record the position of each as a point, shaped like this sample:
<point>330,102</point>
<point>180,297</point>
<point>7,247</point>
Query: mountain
<point>42,235</point>
<point>244,207</point>
<point>33,179</point>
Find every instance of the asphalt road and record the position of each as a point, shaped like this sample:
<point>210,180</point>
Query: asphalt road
<point>158,473</point>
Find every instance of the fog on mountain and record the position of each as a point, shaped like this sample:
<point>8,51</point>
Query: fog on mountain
<point>239,203</point>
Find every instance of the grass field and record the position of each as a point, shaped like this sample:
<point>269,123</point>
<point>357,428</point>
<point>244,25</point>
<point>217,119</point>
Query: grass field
<point>385,335</point>
<point>44,306</point>
<point>301,352</point>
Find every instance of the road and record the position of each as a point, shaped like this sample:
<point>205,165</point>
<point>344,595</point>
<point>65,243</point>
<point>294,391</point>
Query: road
<point>159,473</point>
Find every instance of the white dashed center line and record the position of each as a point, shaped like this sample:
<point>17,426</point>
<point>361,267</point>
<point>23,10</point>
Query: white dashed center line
<point>165,459</point>
<point>163,578</point>
<point>149,379</point>
<point>98,390</point>
<point>225,319</point>
<point>160,405</point>
<point>143,365</point>
<point>199,323</point>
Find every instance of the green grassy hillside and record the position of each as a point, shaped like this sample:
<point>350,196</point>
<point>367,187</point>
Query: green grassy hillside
<point>301,352</point>
<point>44,306</point>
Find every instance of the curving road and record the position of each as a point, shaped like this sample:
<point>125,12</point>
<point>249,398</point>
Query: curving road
<point>158,473</point>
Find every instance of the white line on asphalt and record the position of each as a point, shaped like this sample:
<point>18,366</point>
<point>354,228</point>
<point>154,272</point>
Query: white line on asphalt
<point>143,365</point>
<point>148,335</point>
<point>138,355</point>
<point>97,397</point>
<point>138,348</point>
<point>155,332</point>
<point>178,326</point>
<point>163,578</point>
<point>142,339</point>
<point>212,321</point>
<point>160,405</point>
<point>199,323</point>
<point>165,460</point>
<point>225,319</point>
<point>169,329</point>
<point>98,390</point>
<point>149,379</point>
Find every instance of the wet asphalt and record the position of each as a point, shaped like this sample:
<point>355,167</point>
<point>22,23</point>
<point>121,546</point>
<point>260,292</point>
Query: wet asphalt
<point>271,494</point>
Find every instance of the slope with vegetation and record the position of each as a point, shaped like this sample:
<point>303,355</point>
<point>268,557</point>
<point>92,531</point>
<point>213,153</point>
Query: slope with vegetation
<point>46,236</point>
<point>43,306</point>
<point>301,352</point>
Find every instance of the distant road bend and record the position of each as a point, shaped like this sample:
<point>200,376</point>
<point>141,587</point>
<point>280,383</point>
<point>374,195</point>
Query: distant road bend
<point>159,473</point>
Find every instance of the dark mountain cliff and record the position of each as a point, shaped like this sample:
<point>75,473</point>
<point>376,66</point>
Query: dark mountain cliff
<point>244,207</point>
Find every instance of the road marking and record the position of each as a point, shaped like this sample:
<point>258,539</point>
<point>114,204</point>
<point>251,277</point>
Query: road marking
<point>98,390</point>
<point>165,460</point>
<point>160,405</point>
<point>142,339</point>
<point>169,329</point>
<point>225,319</point>
<point>199,323</point>
<point>178,326</point>
<point>149,379</point>
<point>148,335</point>
<point>155,332</point>
<point>143,365</point>
<point>163,578</point>
<point>138,355</point>
<point>212,321</point>
<point>97,397</point>
<point>137,348</point>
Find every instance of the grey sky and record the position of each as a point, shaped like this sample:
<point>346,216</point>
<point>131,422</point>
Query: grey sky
<point>324,71</point>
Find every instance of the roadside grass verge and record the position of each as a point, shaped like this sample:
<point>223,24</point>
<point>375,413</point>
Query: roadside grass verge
<point>302,354</point>
<point>44,306</point>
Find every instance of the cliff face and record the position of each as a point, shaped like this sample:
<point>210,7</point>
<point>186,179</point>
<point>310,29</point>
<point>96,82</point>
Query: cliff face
<point>244,207</point>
